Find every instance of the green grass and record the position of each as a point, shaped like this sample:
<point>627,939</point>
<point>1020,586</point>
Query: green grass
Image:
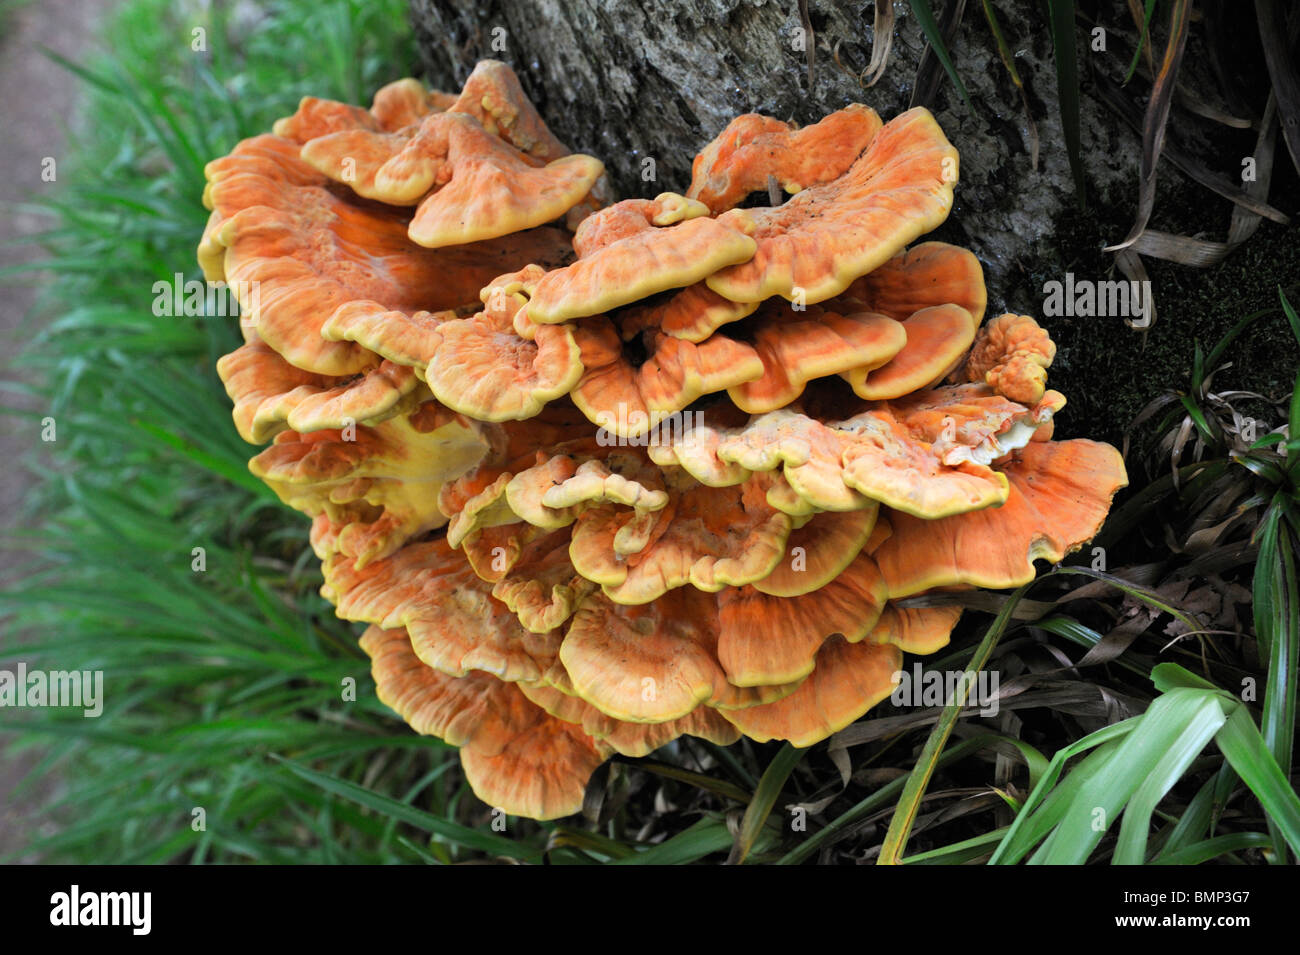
<point>208,674</point>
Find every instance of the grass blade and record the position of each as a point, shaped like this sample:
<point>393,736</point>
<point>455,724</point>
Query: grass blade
<point>1136,824</point>
<point>900,827</point>
<point>1157,116</point>
<point>1175,722</point>
<point>393,809</point>
<point>1061,18</point>
<point>1142,40</point>
<point>924,14</point>
<point>704,838</point>
<point>1210,849</point>
<point>765,796</point>
<point>1244,749</point>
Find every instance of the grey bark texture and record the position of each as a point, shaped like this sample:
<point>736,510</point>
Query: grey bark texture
<point>630,80</point>
<point>635,80</point>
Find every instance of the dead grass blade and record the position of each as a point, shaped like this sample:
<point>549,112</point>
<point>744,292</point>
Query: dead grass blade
<point>1130,264</point>
<point>1277,37</point>
<point>810,41</point>
<point>1109,92</point>
<point>1203,253</point>
<point>1142,20</point>
<point>1157,116</point>
<point>882,40</point>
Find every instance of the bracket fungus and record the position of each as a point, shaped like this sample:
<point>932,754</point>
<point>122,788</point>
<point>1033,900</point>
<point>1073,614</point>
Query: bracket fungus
<point>600,475</point>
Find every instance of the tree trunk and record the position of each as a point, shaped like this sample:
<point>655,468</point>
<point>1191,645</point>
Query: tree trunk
<point>645,84</point>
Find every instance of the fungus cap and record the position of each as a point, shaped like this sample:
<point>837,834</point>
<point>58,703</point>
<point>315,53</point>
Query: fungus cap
<point>589,505</point>
<point>638,265</point>
<point>827,235</point>
<point>753,148</point>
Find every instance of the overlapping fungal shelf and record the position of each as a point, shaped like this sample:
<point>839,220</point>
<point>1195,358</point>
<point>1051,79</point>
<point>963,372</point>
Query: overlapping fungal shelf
<point>598,475</point>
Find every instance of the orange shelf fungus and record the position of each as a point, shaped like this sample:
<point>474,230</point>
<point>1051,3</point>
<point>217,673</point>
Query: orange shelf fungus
<point>827,235</point>
<point>1011,355</point>
<point>753,148</point>
<point>598,476</point>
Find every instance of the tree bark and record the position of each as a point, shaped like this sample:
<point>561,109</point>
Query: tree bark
<point>645,84</point>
